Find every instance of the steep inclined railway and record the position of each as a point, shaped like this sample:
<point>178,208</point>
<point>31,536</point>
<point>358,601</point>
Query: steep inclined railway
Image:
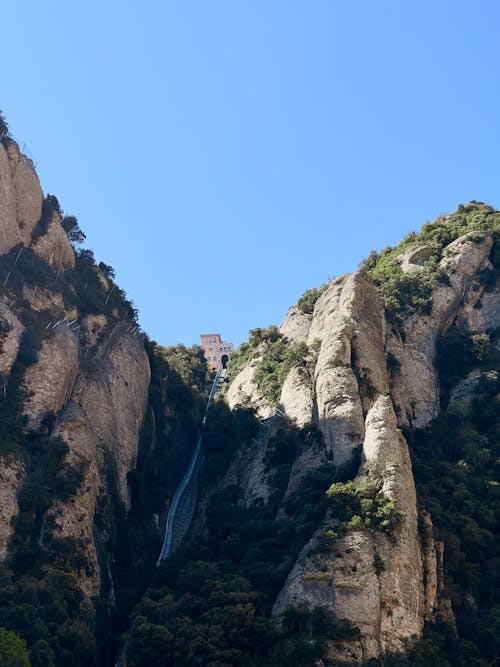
<point>183,505</point>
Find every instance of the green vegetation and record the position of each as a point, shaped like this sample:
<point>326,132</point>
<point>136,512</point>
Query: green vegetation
<point>278,358</point>
<point>76,236</point>
<point>308,300</point>
<point>224,433</point>
<point>13,650</point>
<point>412,292</point>
<point>363,506</point>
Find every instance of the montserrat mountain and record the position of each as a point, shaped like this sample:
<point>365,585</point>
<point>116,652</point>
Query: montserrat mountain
<point>346,500</point>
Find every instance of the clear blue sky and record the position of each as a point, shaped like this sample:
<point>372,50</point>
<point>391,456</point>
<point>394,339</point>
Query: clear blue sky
<point>224,156</point>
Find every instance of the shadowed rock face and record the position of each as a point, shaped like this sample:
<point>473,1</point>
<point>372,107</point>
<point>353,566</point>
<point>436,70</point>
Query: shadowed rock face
<point>97,407</point>
<point>49,382</point>
<point>101,423</point>
<point>385,585</point>
<point>54,247</point>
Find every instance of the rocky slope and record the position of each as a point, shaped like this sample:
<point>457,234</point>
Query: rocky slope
<point>372,380</point>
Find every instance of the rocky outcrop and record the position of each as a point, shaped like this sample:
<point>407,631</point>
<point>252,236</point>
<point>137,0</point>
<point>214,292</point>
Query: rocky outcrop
<point>27,190</point>
<point>296,325</point>
<point>40,299</point>
<point>415,387</point>
<point>373,579</point>
<point>20,197</point>
<point>401,595</point>
<point>385,584</point>
<point>101,424</point>
<point>54,246</point>
<point>243,390</point>
<point>93,329</point>
<point>429,563</point>
<point>414,259</point>
<point>49,382</point>
<point>297,398</point>
<point>9,229</point>
<point>75,518</point>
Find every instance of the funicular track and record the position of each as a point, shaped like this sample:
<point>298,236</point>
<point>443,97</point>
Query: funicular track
<point>183,504</point>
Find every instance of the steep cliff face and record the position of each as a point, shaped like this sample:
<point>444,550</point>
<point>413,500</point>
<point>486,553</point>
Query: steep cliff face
<point>74,382</point>
<point>373,377</point>
<point>20,197</point>
<point>101,423</point>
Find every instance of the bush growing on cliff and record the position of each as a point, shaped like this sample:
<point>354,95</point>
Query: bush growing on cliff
<point>13,650</point>
<point>363,506</point>
<point>73,231</point>
<point>308,300</point>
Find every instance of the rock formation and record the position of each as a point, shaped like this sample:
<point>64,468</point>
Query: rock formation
<point>385,585</point>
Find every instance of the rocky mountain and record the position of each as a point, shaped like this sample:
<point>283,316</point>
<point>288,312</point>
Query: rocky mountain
<point>369,377</point>
<point>348,494</point>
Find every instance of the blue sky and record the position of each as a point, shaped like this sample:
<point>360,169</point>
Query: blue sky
<point>225,156</point>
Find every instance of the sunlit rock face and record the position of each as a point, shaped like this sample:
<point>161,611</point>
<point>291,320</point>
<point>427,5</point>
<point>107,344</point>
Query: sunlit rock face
<point>20,197</point>
<point>385,585</point>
